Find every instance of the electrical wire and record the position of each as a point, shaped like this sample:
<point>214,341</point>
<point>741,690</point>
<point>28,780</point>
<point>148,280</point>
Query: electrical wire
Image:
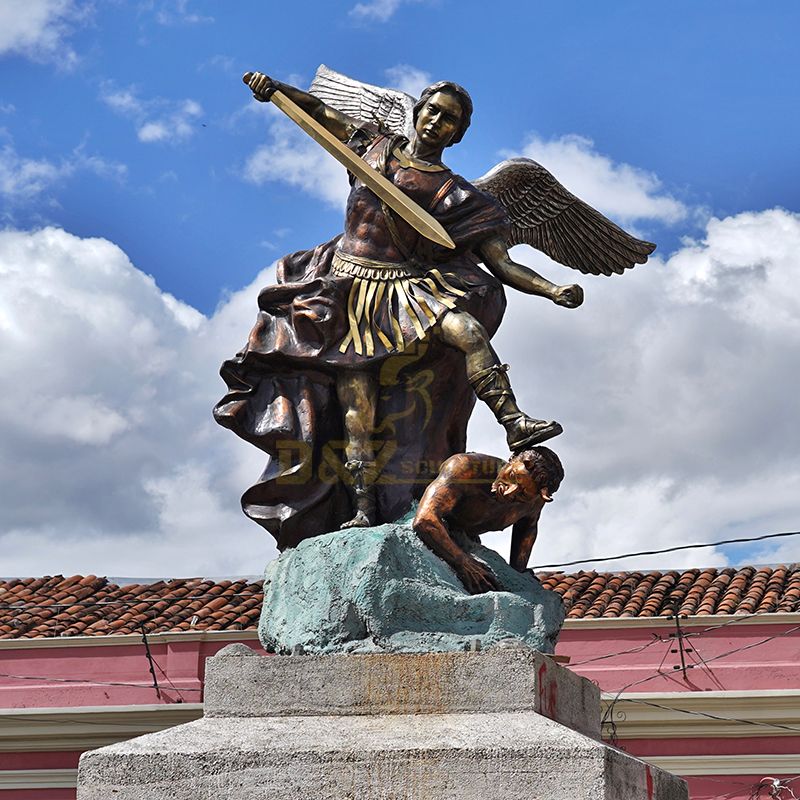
<point>637,649</point>
<point>667,550</point>
<point>753,644</point>
<point>686,635</point>
<point>92,681</point>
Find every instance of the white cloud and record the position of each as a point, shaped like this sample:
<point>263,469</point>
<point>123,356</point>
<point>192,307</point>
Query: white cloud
<point>291,157</point>
<point>408,79</point>
<point>177,12</point>
<point>81,418</point>
<point>39,29</point>
<point>619,190</point>
<point>110,458</point>
<point>676,385</point>
<point>123,101</point>
<point>378,10</point>
<point>156,119</point>
<point>219,63</point>
<point>23,179</point>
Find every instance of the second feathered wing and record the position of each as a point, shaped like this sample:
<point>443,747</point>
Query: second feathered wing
<point>550,218</point>
<point>542,212</point>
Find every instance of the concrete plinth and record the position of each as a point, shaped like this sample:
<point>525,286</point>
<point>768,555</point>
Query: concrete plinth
<point>504,724</point>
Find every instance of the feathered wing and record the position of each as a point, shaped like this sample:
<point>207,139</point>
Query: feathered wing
<point>546,216</point>
<point>390,108</point>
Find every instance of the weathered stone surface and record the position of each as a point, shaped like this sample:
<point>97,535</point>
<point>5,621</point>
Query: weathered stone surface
<point>321,753</point>
<point>506,756</point>
<point>380,589</point>
<point>496,680</point>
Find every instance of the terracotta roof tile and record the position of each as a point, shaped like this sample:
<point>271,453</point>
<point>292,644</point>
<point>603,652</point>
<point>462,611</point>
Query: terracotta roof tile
<point>746,590</point>
<point>92,606</point>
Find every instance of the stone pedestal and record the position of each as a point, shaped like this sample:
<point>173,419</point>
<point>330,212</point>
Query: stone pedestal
<point>503,724</point>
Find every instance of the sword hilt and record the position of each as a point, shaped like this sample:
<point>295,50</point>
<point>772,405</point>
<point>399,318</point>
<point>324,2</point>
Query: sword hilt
<point>248,76</point>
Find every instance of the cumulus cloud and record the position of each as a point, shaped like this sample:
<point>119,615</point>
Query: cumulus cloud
<point>621,191</point>
<point>291,157</point>
<point>111,461</point>
<point>156,119</point>
<point>676,385</point>
<point>408,79</point>
<point>39,29</point>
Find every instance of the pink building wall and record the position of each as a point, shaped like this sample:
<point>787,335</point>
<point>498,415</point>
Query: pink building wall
<point>739,660</point>
<point>742,658</point>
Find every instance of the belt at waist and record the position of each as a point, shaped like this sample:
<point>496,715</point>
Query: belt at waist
<point>360,267</point>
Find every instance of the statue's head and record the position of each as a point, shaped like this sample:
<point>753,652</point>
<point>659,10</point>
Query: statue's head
<point>451,90</point>
<point>528,476</point>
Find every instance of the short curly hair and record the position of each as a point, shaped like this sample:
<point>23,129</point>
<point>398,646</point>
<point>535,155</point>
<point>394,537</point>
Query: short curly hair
<point>544,467</point>
<point>464,100</point>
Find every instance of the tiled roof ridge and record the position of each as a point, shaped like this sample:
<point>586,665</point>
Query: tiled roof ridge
<point>88,605</point>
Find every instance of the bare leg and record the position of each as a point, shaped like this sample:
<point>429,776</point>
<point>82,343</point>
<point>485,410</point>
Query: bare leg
<point>358,395</point>
<point>490,382</point>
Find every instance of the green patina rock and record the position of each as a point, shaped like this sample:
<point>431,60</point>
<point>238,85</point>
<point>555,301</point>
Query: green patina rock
<point>380,589</point>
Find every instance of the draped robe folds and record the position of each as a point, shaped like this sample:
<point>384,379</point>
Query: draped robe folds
<point>282,385</point>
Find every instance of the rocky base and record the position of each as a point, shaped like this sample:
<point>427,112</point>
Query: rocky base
<point>380,589</point>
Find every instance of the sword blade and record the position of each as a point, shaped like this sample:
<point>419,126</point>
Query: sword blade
<point>397,200</point>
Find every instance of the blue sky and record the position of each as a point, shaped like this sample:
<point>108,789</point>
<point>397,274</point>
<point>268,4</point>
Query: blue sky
<point>127,135</point>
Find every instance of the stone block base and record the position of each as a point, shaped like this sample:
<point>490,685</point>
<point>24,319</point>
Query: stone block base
<point>471,726</point>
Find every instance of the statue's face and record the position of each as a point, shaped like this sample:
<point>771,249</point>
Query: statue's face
<point>514,484</point>
<point>438,120</point>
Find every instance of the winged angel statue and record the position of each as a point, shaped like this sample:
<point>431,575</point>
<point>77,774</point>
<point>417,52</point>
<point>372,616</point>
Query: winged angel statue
<point>362,369</point>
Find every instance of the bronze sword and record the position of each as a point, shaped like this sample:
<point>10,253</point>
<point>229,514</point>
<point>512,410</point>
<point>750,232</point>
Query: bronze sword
<point>398,201</point>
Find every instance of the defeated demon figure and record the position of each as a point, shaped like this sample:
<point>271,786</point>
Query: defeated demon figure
<point>476,493</point>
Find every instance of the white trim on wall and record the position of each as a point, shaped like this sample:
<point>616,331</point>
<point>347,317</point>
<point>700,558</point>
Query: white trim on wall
<point>38,779</point>
<point>85,728</point>
<point>82,728</point>
<point>765,707</point>
<point>757,765</point>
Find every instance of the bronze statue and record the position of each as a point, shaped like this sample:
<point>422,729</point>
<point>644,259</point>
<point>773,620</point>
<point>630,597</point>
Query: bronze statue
<point>372,347</point>
<point>474,494</point>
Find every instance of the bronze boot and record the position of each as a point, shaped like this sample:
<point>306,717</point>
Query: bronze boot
<point>493,387</point>
<point>363,489</point>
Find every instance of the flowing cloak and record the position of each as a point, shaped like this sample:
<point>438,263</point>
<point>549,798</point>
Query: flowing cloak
<point>282,385</point>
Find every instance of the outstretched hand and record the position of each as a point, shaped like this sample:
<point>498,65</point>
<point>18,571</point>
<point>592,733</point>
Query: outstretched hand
<point>570,296</point>
<point>476,576</point>
<point>262,86</point>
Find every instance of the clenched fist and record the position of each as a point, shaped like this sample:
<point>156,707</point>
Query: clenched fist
<point>568,296</point>
<point>261,85</point>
